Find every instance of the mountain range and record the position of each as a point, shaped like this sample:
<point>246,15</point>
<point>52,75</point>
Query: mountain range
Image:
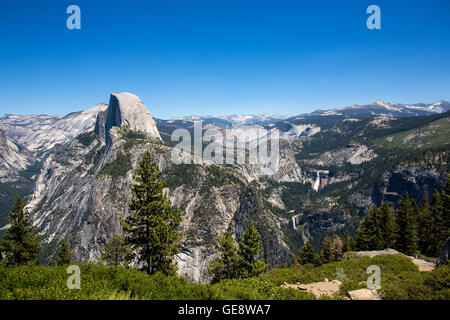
<point>75,173</point>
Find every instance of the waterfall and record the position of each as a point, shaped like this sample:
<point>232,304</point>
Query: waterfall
<point>293,223</point>
<point>317,183</point>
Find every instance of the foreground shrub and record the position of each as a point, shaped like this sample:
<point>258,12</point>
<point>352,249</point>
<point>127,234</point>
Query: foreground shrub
<point>434,285</point>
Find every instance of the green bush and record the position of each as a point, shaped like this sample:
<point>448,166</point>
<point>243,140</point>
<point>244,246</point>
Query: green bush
<point>434,285</point>
<point>400,279</point>
<point>86,138</point>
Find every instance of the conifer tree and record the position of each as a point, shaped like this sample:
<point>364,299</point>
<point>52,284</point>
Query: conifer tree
<point>348,242</point>
<point>337,248</point>
<point>406,218</point>
<point>151,228</point>
<point>424,226</point>
<point>307,255</point>
<point>226,266</point>
<point>20,243</point>
<point>326,253</point>
<point>250,247</point>
<point>64,254</point>
<point>446,205</point>
<point>438,231</point>
<point>117,251</point>
<point>367,231</point>
<point>386,226</point>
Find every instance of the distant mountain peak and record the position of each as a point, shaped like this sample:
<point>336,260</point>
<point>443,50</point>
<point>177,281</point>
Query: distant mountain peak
<point>127,110</point>
<point>382,103</point>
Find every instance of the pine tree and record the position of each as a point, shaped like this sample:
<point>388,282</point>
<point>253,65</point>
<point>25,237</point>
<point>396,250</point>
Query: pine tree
<point>307,255</point>
<point>367,231</point>
<point>151,228</point>
<point>438,231</point>
<point>337,248</point>
<point>348,242</point>
<point>20,242</point>
<point>406,218</point>
<point>326,253</point>
<point>64,254</point>
<point>226,266</point>
<point>117,251</point>
<point>446,205</point>
<point>386,227</point>
<point>250,247</point>
<point>424,226</point>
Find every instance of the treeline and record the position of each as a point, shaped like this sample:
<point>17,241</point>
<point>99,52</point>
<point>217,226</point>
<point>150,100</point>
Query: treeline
<point>238,261</point>
<point>20,244</point>
<point>412,229</point>
<point>332,250</point>
<point>151,229</point>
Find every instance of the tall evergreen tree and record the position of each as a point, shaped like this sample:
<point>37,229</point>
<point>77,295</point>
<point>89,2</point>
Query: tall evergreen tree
<point>151,228</point>
<point>307,255</point>
<point>406,218</point>
<point>386,226</point>
<point>250,246</point>
<point>117,251</point>
<point>424,226</point>
<point>326,254</point>
<point>337,248</point>
<point>226,266</point>
<point>348,242</point>
<point>367,238</point>
<point>438,231</point>
<point>64,254</point>
<point>20,243</point>
<point>446,205</point>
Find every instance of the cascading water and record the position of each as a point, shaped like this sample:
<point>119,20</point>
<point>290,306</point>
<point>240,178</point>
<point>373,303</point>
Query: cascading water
<point>293,223</point>
<point>317,183</point>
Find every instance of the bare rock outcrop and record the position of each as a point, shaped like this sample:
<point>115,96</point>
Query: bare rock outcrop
<point>421,264</point>
<point>364,294</point>
<point>126,110</point>
<point>318,289</point>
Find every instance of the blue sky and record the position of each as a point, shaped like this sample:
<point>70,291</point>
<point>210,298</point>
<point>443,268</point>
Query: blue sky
<point>222,57</point>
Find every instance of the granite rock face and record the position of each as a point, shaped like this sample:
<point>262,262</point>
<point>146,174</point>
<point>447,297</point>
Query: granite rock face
<point>127,111</point>
<point>416,180</point>
<point>40,133</point>
<point>82,191</point>
<point>13,158</point>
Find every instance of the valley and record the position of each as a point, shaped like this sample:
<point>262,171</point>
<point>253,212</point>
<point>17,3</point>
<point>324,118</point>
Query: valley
<point>75,171</point>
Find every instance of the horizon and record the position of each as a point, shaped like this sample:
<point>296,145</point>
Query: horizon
<point>223,115</point>
<point>223,58</point>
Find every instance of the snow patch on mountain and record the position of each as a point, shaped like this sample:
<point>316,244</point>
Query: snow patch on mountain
<point>238,120</point>
<point>302,130</point>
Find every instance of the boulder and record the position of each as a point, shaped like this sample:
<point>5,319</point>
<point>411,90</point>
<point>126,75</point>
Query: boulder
<point>364,294</point>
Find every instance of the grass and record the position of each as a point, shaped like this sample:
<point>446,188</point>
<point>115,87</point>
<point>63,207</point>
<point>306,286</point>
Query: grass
<point>400,279</point>
<point>109,283</point>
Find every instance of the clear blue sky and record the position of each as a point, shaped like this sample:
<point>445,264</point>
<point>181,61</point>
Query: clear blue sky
<point>222,56</point>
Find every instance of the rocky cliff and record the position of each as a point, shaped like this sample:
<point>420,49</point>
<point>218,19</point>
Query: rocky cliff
<point>331,170</point>
<point>83,190</point>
